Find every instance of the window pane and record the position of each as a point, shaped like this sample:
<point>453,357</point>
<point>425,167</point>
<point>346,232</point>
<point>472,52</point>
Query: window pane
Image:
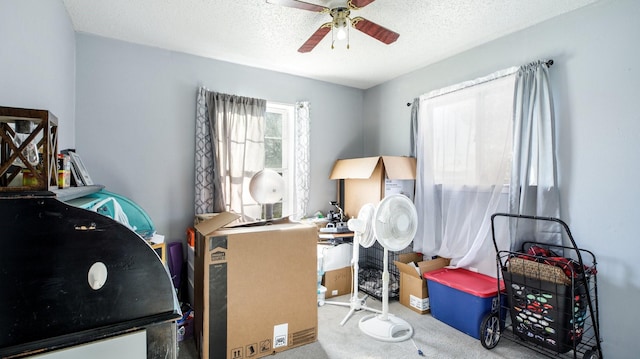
<point>471,134</point>
<point>277,210</point>
<point>273,153</point>
<point>273,125</point>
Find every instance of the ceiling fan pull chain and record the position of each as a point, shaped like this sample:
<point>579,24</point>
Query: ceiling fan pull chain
<point>333,36</point>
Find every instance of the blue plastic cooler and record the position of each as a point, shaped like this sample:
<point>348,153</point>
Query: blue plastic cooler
<point>461,298</point>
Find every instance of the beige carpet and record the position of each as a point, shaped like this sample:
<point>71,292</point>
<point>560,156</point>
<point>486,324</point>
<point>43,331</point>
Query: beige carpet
<point>433,337</point>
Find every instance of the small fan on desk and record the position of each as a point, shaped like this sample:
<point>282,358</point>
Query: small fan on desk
<point>266,188</point>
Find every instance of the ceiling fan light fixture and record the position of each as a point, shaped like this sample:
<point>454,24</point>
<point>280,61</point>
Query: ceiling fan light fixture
<point>342,33</point>
<point>340,23</point>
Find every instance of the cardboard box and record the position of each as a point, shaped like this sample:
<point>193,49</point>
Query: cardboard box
<point>255,288</point>
<point>336,268</point>
<point>413,288</point>
<point>370,179</point>
<point>338,282</point>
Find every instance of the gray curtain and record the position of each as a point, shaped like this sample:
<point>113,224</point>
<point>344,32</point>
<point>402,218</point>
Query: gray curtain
<point>229,150</point>
<point>534,188</point>
<point>208,188</point>
<point>415,109</point>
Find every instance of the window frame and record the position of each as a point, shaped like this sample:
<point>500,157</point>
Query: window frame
<point>288,152</point>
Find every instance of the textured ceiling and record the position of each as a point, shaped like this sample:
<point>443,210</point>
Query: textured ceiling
<point>257,34</point>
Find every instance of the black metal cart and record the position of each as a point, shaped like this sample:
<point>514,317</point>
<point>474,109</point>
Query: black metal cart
<point>551,291</point>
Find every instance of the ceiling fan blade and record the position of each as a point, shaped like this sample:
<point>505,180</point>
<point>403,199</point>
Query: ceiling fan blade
<point>315,38</point>
<point>374,30</point>
<point>358,4</point>
<point>299,5</point>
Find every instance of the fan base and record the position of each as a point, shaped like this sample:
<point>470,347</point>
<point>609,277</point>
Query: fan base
<point>356,304</point>
<point>391,329</point>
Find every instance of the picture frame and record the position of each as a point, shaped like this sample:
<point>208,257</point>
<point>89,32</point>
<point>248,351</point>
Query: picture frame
<point>76,180</point>
<point>80,169</point>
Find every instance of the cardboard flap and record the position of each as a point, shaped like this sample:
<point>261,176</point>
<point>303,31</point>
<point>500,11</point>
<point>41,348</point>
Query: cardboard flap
<point>437,263</point>
<point>355,168</point>
<point>217,220</point>
<point>409,267</point>
<point>410,257</point>
<point>399,167</point>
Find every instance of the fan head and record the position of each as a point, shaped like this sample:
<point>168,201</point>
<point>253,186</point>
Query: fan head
<point>395,222</point>
<point>362,225</point>
<point>266,186</point>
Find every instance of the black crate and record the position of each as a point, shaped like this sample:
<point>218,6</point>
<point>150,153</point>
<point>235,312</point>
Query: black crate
<point>549,314</point>
<point>372,259</point>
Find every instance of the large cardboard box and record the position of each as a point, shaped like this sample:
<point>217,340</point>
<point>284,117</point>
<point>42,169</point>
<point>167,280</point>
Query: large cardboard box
<point>255,288</point>
<point>370,179</point>
<point>413,288</point>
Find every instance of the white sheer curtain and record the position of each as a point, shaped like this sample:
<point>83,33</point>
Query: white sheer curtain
<point>302,169</point>
<point>534,189</point>
<point>464,148</point>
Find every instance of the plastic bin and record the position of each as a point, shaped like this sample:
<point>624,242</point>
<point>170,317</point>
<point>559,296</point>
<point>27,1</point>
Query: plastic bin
<point>461,298</point>
<point>322,291</point>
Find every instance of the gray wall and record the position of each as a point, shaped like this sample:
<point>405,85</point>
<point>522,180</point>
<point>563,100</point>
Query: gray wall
<point>135,122</point>
<point>596,84</point>
<point>37,61</point>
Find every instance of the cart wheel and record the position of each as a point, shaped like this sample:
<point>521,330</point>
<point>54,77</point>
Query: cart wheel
<point>591,354</point>
<point>490,331</point>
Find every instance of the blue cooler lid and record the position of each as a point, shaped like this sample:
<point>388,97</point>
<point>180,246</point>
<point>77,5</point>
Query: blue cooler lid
<point>138,218</point>
<point>477,284</point>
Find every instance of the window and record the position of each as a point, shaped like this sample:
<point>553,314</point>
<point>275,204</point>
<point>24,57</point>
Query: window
<point>464,156</point>
<point>279,151</point>
<point>472,132</point>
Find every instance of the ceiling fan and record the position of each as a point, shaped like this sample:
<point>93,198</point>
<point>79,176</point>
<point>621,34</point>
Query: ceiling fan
<point>340,22</point>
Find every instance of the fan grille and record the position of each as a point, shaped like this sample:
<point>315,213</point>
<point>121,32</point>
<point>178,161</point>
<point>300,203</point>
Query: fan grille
<point>395,222</point>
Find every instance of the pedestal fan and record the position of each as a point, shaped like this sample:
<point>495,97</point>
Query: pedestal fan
<point>363,236</point>
<point>394,225</point>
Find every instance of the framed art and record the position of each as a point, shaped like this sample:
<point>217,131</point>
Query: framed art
<point>80,169</point>
<point>75,177</point>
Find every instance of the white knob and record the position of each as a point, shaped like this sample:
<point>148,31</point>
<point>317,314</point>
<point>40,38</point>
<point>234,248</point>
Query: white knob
<point>97,275</point>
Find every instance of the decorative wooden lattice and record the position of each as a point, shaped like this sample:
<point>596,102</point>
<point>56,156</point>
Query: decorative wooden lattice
<point>42,130</point>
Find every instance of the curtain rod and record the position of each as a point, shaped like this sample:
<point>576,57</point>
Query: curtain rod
<point>549,63</point>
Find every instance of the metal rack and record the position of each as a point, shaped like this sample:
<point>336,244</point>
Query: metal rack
<point>372,258</point>
<point>551,293</point>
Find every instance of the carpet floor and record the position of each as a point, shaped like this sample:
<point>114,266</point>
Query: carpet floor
<point>432,337</point>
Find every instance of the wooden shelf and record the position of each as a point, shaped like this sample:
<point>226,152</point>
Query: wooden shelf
<point>70,193</point>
